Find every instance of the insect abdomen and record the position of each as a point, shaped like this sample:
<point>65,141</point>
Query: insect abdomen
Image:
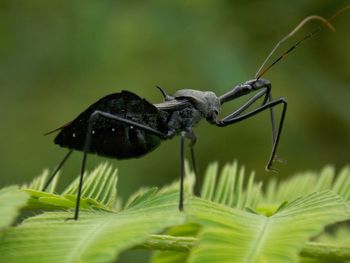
<point>121,143</point>
<point>112,138</point>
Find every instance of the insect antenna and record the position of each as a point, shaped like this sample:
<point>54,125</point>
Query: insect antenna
<point>263,70</point>
<point>339,12</point>
<point>326,22</point>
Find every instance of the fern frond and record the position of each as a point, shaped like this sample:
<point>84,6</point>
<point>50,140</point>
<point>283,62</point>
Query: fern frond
<point>100,185</point>
<point>99,191</point>
<point>11,200</point>
<point>186,230</point>
<point>39,182</point>
<point>222,226</point>
<point>303,184</point>
<point>140,196</point>
<point>337,236</point>
<point>230,187</point>
<point>231,235</point>
<point>96,237</point>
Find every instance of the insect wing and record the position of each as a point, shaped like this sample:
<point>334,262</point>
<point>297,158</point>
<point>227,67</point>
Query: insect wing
<point>172,105</point>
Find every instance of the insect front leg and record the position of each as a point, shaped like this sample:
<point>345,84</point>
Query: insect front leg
<point>246,88</point>
<point>266,93</point>
<point>87,145</point>
<point>230,119</point>
<point>250,102</point>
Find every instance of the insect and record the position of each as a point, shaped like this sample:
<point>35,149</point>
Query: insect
<point>123,125</point>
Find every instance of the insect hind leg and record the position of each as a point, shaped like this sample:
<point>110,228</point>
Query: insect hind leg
<point>87,145</point>
<point>57,169</point>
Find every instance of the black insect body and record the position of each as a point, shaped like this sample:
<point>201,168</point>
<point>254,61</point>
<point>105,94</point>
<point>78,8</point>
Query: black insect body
<point>114,138</point>
<point>123,125</point>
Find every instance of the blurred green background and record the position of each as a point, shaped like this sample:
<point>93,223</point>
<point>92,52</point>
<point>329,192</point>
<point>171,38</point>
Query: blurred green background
<point>57,57</point>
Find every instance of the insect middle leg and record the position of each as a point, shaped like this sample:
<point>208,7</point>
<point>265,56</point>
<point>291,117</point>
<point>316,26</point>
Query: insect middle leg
<point>189,134</point>
<point>193,139</point>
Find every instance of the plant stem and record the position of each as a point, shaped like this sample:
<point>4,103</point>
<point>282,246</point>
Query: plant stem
<point>321,251</point>
<point>172,243</point>
<point>324,251</point>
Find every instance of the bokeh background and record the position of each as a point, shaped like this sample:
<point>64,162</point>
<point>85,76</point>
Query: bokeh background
<point>57,57</point>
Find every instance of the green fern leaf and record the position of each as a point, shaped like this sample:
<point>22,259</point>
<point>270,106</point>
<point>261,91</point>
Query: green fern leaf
<point>99,185</point>
<point>99,192</point>
<point>231,187</point>
<point>95,237</point>
<point>39,182</point>
<point>140,196</point>
<point>186,230</point>
<point>231,235</point>
<point>338,236</point>
<point>11,200</point>
<point>223,226</point>
<point>303,184</point>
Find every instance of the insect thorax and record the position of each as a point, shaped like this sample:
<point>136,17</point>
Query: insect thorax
<point>206,102</point>
<point>182,120</point>
<point>203,104</point>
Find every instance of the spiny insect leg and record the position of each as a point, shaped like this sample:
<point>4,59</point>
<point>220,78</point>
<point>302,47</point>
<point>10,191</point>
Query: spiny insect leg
<point>59,166</point>
<point>87,145</point>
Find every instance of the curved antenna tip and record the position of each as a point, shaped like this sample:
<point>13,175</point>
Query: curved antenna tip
<point>313,17</point>
<point>261,71</point>
<point>326,22</point>
<point>339,12</point>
